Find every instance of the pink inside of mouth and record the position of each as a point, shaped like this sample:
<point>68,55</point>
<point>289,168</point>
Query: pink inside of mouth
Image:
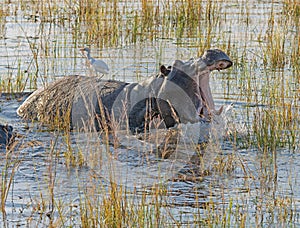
<point>206,104</point>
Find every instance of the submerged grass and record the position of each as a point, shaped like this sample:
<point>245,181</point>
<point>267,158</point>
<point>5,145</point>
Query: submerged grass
<point>267,79</point>
<point>9,169</point>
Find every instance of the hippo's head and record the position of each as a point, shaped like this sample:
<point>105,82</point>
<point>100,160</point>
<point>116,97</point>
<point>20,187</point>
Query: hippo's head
<point>193,77</point>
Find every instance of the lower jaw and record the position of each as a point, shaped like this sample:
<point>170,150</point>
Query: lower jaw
<point>203,113</point>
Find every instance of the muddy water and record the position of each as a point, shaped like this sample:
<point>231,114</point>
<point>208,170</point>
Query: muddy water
<point>253,185</point>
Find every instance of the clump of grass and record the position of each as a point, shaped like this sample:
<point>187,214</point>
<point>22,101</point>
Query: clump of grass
<point>14,83</point>
<point>292,9</point>
<point>224,164</point>
<point>275,124</point>
<point>73,158</point>
<point>9,168</point>
<point>276,49</point>
<point>103,23</point>
<point>231,213</point>
<point>118,207</point>
<point>111,205</point>
<point>295,60</point>
<point>282,39</point>
<point>274,119</point>
<point>276,127</point>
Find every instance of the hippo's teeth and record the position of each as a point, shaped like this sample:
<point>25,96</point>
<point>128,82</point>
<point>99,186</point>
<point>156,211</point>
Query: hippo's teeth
<point>218,112</point>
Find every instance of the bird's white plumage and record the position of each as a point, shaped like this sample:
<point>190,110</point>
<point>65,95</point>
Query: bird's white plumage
<point>99,65</point>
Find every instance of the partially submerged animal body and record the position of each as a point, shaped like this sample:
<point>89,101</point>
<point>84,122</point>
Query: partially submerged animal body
<point>179,94</point>
<point>70,102</point>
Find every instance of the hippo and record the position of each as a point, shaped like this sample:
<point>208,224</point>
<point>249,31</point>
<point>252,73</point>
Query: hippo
<point>6,135</point>
<point>180,93</point>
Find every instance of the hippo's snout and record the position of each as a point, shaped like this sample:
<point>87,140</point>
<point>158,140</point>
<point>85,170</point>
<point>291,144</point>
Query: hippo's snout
<point>213,56</point>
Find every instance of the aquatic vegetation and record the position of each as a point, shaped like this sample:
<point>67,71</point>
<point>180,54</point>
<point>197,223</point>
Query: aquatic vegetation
<point>9,169</point>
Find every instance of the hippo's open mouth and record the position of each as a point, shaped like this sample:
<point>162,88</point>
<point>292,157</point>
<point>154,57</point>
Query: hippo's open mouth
<point>206,105</point>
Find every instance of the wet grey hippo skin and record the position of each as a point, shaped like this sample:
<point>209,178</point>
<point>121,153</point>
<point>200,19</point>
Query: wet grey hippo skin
<point>6,134</point>
<point>179,93</point>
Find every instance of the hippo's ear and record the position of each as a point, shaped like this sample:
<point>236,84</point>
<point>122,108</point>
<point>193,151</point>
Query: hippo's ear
<point>162,68</point>
<point>165,71</point>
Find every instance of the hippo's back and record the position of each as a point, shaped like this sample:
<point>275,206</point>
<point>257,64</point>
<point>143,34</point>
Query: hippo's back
<point>45,103</point>
<point>54,103</point>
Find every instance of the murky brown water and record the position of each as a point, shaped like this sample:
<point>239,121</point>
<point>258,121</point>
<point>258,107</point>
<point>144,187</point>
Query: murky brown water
<point>249,187</point>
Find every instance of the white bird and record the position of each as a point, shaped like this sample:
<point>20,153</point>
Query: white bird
<point>99,65</point>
